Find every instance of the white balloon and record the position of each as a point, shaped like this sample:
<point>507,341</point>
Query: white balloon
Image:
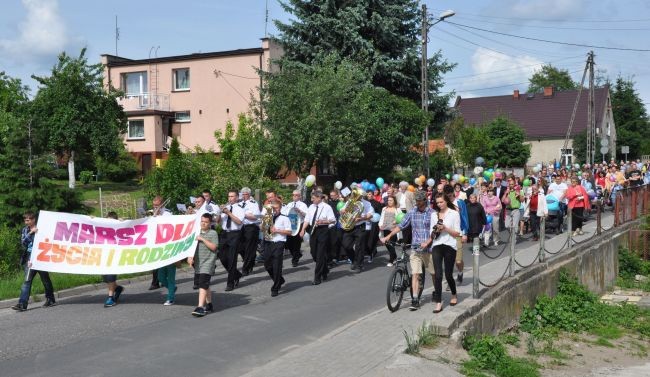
<point>310,179</point>
<point>338,185</point>
<point>431,182</point>
<point>536,169</point>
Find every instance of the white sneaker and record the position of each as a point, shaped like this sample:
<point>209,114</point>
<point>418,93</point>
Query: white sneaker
<point>580,232</point>
<point>576,233</point>
<point>389,264</point>
<point>496,243</point>
<point>168,303</point>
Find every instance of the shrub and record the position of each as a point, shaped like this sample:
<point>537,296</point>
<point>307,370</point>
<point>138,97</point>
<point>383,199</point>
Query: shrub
<point>10,250</point>
<point>85,176</point>
<point>122,169</point>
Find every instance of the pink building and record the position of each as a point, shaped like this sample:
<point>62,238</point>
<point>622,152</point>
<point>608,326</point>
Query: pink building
<point>186,96</point>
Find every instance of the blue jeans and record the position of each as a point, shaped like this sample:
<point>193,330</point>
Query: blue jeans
<point>26,288</point>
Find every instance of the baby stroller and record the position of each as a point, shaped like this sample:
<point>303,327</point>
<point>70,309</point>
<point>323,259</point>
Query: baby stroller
<point>554,219</point>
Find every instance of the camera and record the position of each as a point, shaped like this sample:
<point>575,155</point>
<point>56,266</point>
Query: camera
<point>435,233</point>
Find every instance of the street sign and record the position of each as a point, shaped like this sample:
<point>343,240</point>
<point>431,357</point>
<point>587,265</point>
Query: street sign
<point>604,150</point>
<point>625,149</point>
<point>604,142</point>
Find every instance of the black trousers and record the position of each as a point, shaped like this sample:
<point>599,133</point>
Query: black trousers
<point>373,239</point>
<point>446,254</point>
<point>228,255</point>
<point>293,244</point>
<point>534,223</point>
<point>318,244</point>
<point>248,246</point>
<point>354,244</point>
<point>577,216</point>
<point>390,246</point>
<point>407,235</point>
<point>273,253</point>
<point>335,238</point>
<point>154,278</point>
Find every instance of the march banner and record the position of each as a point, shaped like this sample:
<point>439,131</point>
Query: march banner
<point>79,244</point>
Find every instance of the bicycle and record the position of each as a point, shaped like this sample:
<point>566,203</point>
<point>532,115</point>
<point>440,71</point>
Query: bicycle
<point>400,279</point>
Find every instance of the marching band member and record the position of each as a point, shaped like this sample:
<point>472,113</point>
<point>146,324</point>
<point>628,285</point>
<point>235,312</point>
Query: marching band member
<point>354,240</point>
<point>250,231</point>
<point>294,242</point>
<point>273,250</point>
<point>320,217</point>
<point>231,224</point>
<point>336,233</point>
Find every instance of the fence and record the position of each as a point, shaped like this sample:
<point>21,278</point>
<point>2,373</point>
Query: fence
<point>629,204</point>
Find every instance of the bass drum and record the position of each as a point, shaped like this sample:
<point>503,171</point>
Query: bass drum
<point>296,221</point>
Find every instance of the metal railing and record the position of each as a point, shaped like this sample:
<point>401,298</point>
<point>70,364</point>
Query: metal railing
<point>145,101</point>
<point>629,204</point>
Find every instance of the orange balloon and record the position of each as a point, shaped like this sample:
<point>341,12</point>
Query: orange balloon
<point>423,178</point>
<point>417,181</point>
<point>411,188</point>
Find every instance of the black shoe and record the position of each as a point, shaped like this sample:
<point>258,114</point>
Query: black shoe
<point>209,308</point>
<point>359,269</point>
<point>118,291</point>
<point>324,277</point>
<point>49,302</point>
<point>315,282</point>
<point>19,307</point>
<point>415,305</point>
<point>294,264</point>
<point>244,273</point>
<point>198,312</point>
<point>229,288</point>
<point>154,287</point>
<point>459,279</point>
<point>274,293</point>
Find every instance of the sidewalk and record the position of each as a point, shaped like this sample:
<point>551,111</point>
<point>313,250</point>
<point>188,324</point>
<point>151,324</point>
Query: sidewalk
<point>374,345</point>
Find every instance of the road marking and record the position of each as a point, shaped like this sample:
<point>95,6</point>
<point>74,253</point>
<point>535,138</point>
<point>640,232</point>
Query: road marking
<point>256,318</point>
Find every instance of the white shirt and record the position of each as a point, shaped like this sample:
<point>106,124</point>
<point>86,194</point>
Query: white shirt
<point>558,190</point>
<point>251,208</point>
<point>237,211</point>
<point>451,220</point>
<point>281,223</point>
<point>211,208</point>
<point>402,201</point>
<point>299,205</point>
<point>367,210</point>
<point>165,212</point>
<point>323,211</point>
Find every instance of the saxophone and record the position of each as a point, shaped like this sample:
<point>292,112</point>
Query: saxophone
<point>267,223</point>
<point>352,209</point>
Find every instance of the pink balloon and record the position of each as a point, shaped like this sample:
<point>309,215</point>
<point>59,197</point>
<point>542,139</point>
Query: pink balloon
<point>385,187</point>
<point>612,178</point>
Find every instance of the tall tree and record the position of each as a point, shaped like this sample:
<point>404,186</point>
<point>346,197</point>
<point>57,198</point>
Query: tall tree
<point>507,143</point>
<point>631,119</point>
<point>77,112</point>
<point>548,75</point>
<point>381,36</point>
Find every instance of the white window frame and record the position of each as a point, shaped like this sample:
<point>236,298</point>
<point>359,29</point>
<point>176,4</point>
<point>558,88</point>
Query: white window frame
<point>144,85</point>
<point>566,158</point>
<point>181,120</point>
<point>128,131</point>
<point>174,81</point>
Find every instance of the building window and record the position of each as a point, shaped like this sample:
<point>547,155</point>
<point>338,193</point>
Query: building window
<point>182,117</point>
<point>566,156</point>
<point>136,129</point>
<point>134,83</point>
<point>181,79</point>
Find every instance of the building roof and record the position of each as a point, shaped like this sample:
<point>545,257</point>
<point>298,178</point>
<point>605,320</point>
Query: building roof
<point>118,61</point>
<point>541,116</point>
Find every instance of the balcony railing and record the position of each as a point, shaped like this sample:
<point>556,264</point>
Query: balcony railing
<point>145,101</point>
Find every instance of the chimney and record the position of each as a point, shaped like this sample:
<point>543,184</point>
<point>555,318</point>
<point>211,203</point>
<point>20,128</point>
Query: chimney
<point>515,94</point>
<point>548,91</point>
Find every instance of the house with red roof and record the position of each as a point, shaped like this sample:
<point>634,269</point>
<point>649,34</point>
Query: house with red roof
<point>545,118</point>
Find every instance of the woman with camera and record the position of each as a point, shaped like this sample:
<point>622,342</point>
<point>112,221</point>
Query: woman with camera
<point>445,227</point>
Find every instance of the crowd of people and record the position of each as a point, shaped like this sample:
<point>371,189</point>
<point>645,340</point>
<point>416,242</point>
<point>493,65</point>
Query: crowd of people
<point>346,225</point>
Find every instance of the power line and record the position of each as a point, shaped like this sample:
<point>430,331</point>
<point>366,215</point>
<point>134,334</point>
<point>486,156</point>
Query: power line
<point>512,69</point>
<point>547,26</point>
<point>550,41</point>
<point>495,87</point>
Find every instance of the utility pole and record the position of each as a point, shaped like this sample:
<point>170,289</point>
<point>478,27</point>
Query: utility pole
<point>591,127</point>
<point>117,35</point>
<point>424,86</point>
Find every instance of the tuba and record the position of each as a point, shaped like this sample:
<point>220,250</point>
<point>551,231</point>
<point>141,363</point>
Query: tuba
<point>267,223</point>
<point>352,209</point>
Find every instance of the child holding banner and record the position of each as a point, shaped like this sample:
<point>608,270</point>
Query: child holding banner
<point>204,261</point>
<point>114,290</point>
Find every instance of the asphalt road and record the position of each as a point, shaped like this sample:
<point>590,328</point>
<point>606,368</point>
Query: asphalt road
<point>141,337</point>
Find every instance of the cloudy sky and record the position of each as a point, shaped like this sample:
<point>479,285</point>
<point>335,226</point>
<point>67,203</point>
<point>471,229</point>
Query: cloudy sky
<point>33,32</point>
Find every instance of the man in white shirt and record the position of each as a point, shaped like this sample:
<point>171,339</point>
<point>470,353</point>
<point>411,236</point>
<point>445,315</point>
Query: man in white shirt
<point>354,240</point>
<point>294,242</point>
<point>231,224</point>
<point>250,231</point>
<point>319,218</point>
<point>558,189</point>
<point>273,250</point>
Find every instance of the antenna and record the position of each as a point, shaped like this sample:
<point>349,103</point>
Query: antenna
<point>117,35</point>
<point>266,20</point>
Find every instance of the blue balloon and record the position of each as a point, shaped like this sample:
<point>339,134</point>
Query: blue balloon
<point>375,217</point>
<point>472,181</point>
<point>557,165</point>
<point>372,187</point>
<point>380,182</point>
<point>491,170</point>
<point>489,219</point>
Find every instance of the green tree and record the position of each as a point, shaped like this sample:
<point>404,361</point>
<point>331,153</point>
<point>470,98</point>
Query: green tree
<point>468,141</point>
<point>382,36</point>
<point>631,119</point>
<point>77,113</point>
<point>559,79</point>
<point>580,147</point>
<point>331,112</point>
<point>440,163</point>
<point>507,147</point>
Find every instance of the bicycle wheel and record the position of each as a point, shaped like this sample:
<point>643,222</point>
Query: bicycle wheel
<point>421,279</point>
<point>395,289</point>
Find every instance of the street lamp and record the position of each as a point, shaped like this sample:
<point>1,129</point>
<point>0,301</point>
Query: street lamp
<point>424,84</point>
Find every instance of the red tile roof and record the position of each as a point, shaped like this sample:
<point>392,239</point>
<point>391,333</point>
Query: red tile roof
<point>541,117</point>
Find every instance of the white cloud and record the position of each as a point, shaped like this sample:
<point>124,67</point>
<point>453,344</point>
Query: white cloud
<point>541,9</point>
<point>42,33</point>
<point>493,69</point>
